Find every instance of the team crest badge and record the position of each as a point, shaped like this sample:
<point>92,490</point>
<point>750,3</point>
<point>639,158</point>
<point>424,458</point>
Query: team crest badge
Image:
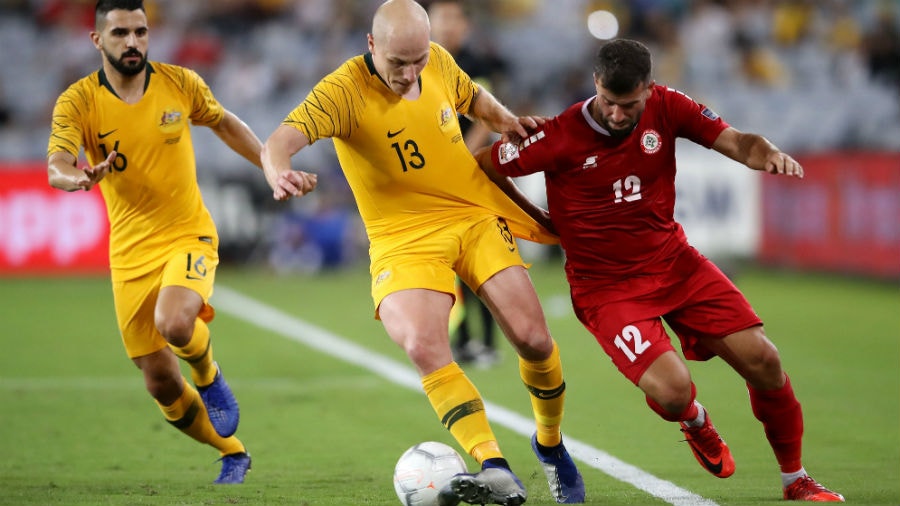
<point>508,152</point>
<point>447,118</point>
<point>170,117</point>
<point>171,121</point>
<point>650,141</point>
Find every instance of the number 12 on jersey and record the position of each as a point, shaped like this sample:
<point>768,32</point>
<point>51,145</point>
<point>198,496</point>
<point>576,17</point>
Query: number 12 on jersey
<point>632,185</point>
<point>631,343</point>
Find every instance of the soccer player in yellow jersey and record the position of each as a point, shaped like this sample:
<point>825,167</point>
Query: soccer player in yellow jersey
<point>133,117</point>
<point>430,213</point>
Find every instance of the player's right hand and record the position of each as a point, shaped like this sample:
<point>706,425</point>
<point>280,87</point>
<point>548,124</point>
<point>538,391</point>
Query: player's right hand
<point>93,175</point>
<point>294,184</point>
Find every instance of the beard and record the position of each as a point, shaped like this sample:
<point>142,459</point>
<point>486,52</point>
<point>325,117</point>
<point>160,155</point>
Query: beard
<point>127,69</point>
<point>620,133</point>
<point>616,133</point>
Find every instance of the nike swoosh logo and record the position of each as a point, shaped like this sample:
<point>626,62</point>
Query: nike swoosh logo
<point>713,468</point>
<point>391,135</point>
<point>107,133</point>
<point>194,278</point>
<point>546,394</point>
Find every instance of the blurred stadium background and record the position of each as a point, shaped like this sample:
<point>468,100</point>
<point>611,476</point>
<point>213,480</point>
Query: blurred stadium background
<point>819,78</point>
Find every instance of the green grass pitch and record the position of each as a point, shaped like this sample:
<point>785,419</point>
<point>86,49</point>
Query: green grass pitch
<point>78,428</point>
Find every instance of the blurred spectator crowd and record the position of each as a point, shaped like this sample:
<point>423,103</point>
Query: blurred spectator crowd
<point>811,74</point>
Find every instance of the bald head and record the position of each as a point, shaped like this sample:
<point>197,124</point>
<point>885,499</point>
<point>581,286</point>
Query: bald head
<point>400,43</point>
<point>401,19</point>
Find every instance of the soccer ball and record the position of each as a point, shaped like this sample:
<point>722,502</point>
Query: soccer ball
<point>423,470</point>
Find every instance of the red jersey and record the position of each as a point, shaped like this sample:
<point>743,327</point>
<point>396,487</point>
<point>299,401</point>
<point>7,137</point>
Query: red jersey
<point>612,200</point>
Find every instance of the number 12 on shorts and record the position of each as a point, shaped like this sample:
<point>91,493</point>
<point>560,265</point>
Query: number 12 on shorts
<point>631,343</point>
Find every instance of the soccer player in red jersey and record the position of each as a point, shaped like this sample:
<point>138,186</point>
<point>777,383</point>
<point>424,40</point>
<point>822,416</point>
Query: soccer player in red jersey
<point>609,165</point>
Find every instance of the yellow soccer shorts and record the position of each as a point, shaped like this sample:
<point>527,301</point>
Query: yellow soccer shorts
<point>193,266</point>
<point>431,256</point>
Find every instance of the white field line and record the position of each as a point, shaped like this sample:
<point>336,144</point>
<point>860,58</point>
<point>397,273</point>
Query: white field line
<point>290,327</point>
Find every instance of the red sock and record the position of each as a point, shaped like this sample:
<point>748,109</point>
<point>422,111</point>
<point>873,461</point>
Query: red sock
<point>782,418</point>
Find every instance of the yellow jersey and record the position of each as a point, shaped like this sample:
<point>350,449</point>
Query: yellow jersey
<point>405,160</point>
<point>152,197</point>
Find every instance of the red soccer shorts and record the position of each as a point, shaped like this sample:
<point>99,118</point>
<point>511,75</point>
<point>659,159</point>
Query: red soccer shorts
<point>691,295</point>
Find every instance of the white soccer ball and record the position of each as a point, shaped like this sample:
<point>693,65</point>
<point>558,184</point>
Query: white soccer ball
<point>423,470</point>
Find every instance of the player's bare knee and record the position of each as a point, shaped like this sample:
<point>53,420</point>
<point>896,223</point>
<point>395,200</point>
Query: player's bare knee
<point>177,330</point>
<point>762,358</point>
<point>667,385</point>
<point>163,387</point>
<point>534,351</point>
<point>532,342</point>
<point>765,371</point>
<point>417,354</point>
<point>769,359</point>
<point>424,354</point>
<point>673,399</point>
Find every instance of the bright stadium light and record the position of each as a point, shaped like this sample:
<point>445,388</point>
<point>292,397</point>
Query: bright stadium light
<point>603,24</point>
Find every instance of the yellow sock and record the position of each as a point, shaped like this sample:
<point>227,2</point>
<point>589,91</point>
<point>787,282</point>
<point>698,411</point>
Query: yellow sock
<point>188,414</point>
<point>461,410</point>
<point>198,354</point>
<point>544,380</point>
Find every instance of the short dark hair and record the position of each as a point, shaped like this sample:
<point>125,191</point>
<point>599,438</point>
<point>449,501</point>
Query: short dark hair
<point>104,6</point>
<point>622,65</point>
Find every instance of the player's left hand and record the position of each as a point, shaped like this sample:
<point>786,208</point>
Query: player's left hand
<point>782,163</point>
<point>544,220</point>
